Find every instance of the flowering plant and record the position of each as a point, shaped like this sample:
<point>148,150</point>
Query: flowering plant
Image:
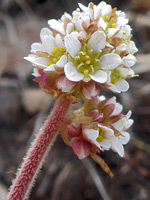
<point>77,57</point>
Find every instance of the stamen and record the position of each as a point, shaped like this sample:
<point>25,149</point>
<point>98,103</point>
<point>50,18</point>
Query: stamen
<point>106,18</point>
<point>55,51</point>
<point>88,62</point>
<point>113,25</point>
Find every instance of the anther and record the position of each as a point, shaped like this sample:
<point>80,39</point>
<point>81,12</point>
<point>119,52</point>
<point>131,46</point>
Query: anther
<point>106,17</point>
<point>86,71</point>
<point>88,62</point>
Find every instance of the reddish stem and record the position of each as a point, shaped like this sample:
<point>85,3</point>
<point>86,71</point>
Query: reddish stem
<point>39,149</point>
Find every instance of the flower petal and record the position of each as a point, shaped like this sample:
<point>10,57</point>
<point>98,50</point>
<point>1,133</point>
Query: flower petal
<point>72,45</point>
<point>62,61</point>
<point>110,61</point>
<point>91,135</point>
<point>50,68</point>
<point>59,42</point>
<point>101,23</point>
<point>124,138</point>
<point>45,32</point>
<point>31,58</point>
<point>122,85</point>
<point>64,84</point>
<point>57,26</point>
<point>35,73</point>
<point>97,41</point>
<point>129,60</point>
<point>71,73</point>
<point>41,62</point>
<point>100,76</point>
<point>117,146</point>
<point>82,7</point>
<point>37,47</point>
<point>47,39</point>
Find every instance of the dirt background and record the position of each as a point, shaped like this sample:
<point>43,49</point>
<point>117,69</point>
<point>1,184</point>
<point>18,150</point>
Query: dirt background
<point>24,107</point>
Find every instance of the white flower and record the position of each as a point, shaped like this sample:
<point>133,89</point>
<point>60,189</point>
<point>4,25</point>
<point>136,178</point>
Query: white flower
<point>102,9</point>
<point>73,46</point>
<point>92,44</point>
<point>119,85</point>
<point>124,123</point>
<point>45,53</point>
<point>131,47</point>
<point>104,139</point>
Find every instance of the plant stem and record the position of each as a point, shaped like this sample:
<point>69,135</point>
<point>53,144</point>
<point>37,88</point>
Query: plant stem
<point>38,150</point>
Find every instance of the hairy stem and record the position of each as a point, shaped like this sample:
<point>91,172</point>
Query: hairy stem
<point>38,150</point>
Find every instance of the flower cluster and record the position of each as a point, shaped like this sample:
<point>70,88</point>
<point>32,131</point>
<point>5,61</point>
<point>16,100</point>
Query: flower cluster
<point>102,126</point>
<point>77,56</point>
<point>81,53</point>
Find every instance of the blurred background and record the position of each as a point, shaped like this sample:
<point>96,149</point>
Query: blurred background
<point>23,108</point>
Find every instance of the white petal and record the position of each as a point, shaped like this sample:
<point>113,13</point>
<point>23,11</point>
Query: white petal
<point>102,98</point>
<point>112,31</point>
<point>37,47</point>
<point>105,8</point>
<point>100,76</point>
<point>35,73</point>
<point>45,32</point>
<point>64,84</point>
<point>122,85</point>
<point>97,12</point>
<point>57,26</point>
<point>70,27</point>
<point>118,106</point>
<point>48,43</point>
<point>125,138</point>
<point>62,61</point>
<point>59,42</point>
<point>131,47</point>
<point>111,101</point>
<point>50,68</point>
<point>71,73</point>
<point>82,153</point>
<point>72,45</point>
<point>128,115</point>
<point>41,62</point>
<point>119,124</point>
<point>65,16</point>
<point>117,110</point>
<point>121,47</point>
<point>91,135</point>
<point>31,58</point>
<point>102,23</point>
<point>110,61</point>
<point>124,71</point>
<point>84,8</point>
<point>129,60</point>
<point>105,144</point>
<point>97,41</point>
<point>108,132</point>
<point>117,146</point>
<point>82,34</point>
<point>113,88</point>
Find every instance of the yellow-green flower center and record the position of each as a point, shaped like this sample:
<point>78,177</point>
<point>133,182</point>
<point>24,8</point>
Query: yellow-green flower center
<point>57,53</point>
<point>86,61</point>
<point>101,134</point>
<point>115,76</point>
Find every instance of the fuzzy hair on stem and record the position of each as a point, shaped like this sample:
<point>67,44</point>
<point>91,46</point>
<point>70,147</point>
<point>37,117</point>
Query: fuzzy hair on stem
<point>40,147</point>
